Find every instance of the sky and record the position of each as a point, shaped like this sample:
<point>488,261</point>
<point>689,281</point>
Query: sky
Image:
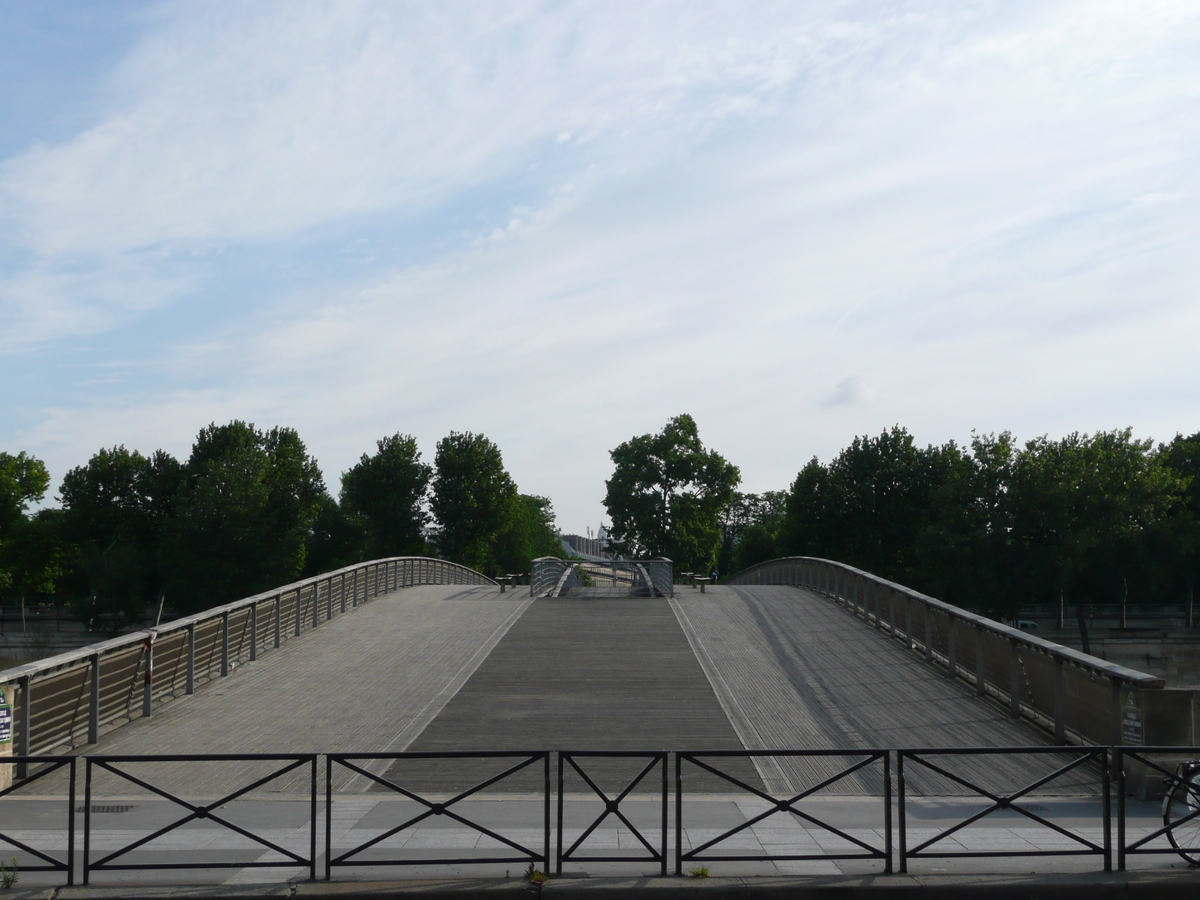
<point>559,224</point>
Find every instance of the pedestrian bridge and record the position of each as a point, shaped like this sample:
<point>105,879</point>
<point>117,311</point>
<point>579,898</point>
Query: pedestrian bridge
<point>811,714</point>
<point>425,655</point>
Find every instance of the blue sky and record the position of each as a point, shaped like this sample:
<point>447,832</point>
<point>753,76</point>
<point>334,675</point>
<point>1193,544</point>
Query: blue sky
<point>559,224</point>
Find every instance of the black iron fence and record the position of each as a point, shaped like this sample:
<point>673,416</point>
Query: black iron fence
<point>119,858</point>
<point>430,806</point>
<point>441,786</point>
<point>995,802</point>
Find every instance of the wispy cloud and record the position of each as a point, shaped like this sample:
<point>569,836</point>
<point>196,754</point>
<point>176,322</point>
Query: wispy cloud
<point>562,223</point>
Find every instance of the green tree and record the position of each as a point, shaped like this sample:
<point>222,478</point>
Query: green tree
<point>750,529</point>
<point>30,554</point>
<point>667,494</point>
<point>1082,507</point>
<point>23,480</point>
<point>472,499</point>
<point>387,492</point>
<point>243,515</point>
<point>529,535</point>
<point>114,511</point>
<point>336,539</point>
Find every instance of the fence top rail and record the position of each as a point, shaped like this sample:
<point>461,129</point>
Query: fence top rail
<point>1101,667</point>
<point>70,658</point>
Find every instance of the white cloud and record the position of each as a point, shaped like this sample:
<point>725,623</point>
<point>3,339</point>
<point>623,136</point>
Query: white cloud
<point>985,212</point>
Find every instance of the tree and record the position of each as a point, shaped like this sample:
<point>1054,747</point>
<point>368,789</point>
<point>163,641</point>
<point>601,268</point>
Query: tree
<point>23,480</point>
<point>243,515</point>
<point>336,539</point>
<point>386,492</point>
<point>529,535</point>
<point>114,511</point>
<point>30,554</point>
<point>472,499</point>
<point>750,529</point>
<point>667,494</point>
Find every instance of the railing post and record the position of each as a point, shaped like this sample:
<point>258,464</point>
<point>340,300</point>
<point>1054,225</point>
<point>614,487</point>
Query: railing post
<point>299,609</point>
<point>1014,679</point>
<point>94,702</point>
<point>224,644</point>
<point>24,740</point>
<point>316,603</point>
<point>908,635</point>
<point>1060,728</point>
<point>331,593</point>
<point>1115,712</point>
<point>329,600</point>
<point>928,634</point>
<point>148,681</point>
<point>951,649</point>
<point>189,683</point>
<point>980,681</point>
<point>891,613</point>
<point>254,631</point>
<point>278,618</point>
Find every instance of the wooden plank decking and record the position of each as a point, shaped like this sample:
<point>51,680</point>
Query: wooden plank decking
<point>795,670</point>
<point>454,668</point>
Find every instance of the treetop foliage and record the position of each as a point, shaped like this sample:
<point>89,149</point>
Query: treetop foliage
<point>667,494</point>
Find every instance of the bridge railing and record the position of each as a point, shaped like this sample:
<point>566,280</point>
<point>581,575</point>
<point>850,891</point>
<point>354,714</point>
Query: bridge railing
<point>1070,692</point>
<point>63,701</point>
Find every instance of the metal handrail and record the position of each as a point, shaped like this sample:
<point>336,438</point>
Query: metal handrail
<point>103,683</point>
<point>881,603</point>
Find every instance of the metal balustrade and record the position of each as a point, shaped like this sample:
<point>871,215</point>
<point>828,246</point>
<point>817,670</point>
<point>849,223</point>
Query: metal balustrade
<point>1076,696</point>
<point>892,839</point>
<point>554,577</point>
<point>64,701</point>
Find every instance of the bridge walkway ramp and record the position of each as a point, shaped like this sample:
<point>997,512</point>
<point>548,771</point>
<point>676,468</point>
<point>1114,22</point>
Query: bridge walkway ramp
<point>794,669</point>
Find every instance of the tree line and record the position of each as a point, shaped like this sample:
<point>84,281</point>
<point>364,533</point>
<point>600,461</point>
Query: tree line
<point>1098,518</point>
<point>249,510</point>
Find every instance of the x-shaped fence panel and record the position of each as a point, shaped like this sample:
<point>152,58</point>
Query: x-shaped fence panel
<point>201,812</point>
<point>788,805</point>
<point>358,762</point>
<point>612,807</point>
<point>1078,845</point>
<point>51,764</point>
<point>1181,806</point>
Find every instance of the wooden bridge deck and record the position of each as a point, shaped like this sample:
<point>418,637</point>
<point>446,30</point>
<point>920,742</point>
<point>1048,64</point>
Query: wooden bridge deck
<point>453,668</point>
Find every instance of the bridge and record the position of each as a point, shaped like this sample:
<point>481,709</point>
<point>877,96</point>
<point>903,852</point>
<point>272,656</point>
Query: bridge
<point>797,679</point>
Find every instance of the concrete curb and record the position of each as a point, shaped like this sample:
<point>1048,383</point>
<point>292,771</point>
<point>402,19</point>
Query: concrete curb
<point>1114,886</point>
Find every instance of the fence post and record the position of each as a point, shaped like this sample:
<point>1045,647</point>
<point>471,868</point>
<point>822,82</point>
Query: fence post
<point>224,644</point>
<point>908,635</point>
<point>254,631</point>
<point>25,741</point>
<point>951,657</point>
<point>1014,680</point>
<point>148,683</point>
<point>928,634</point>
<point>189,685</point>
<point>299,609</point>
<point>94,702</point>
<point>329,599</point>
<point>1115,713</point>
<point>980,681</point>
<point>278,616</point>
<point>316,603</point>
<point>1060,729</point>
<point>331,594</point>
